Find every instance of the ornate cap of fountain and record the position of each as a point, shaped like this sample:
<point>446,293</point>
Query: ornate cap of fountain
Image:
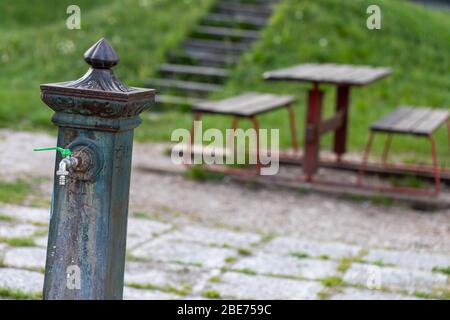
<point>99,93</point>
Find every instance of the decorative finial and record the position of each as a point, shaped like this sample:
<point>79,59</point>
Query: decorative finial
<point>101,55</point>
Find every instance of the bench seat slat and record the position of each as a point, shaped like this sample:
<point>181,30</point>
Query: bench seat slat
<point>433,120</point>
<point>245,105</point>
<point>389,121</point>
<point>412,120</point>
<point>268,105</point>
<point>223,105</point>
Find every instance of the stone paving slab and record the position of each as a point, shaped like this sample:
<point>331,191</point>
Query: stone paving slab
<point>23,280</point>
<point>215,236</point>
<point>185,259</point>
<point>11,230</point>
<point>408,259</point>
<point>286,245</point>
<point>41,241</point>
<point>271,264</point>
<point>164,275</point>
<point>139,294</point>
<point>189,253</point>
<point>242,286</point>
<point>3,248</point>
<point>134,241</point>
<point>365,294</point>
<point>146,227</point>
<point>29,258</point>
<point>42,164</point>
<point>26,214</point>
<point>140,230</point>
<point>396,278</point>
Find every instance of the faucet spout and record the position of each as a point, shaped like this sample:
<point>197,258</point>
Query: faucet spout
<point>64,165</point>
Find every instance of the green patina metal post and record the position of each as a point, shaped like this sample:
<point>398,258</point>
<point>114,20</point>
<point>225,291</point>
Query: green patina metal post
<point>95,116</point>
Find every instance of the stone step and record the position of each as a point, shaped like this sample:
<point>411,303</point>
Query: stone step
<point>227,33</point>
<point>188,87</point>
<point>236,19</point>
<point>202,58</point>
<point>253,2</point>
<point>200,66</point>
<point>260,10</point>
<point>193,70</point>
<point>214,45</point>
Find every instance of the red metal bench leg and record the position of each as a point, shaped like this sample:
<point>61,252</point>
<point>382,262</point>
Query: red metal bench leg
<point>197,117</point>
<point>365,159</point>
<point>256,127</point>
<point>234,125</point>
<point>386,149</point>
<point>436,169</point>
<point>293,128</point>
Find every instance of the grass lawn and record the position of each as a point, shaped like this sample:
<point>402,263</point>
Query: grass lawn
<point>414,41</point>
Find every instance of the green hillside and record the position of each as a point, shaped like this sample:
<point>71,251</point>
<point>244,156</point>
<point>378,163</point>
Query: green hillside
<point>36,47</point>
<point>414,41</point>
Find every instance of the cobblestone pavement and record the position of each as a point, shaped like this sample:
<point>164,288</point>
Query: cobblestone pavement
<point>191,240</point>
<point>169,261</point>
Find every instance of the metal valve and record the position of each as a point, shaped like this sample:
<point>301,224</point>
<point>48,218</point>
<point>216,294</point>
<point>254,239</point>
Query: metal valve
<point>66,163</point>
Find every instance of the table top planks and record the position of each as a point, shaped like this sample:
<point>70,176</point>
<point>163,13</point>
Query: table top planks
<point>245,105</point>
<point>331,73</point>
<point>412,120</point>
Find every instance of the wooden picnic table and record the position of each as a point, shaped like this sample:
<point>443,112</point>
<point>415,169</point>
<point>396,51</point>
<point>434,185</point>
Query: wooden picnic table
<point>343,77</point>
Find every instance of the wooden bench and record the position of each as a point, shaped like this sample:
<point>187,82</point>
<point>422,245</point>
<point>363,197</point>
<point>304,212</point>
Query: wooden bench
<point>417,121</point>
<point>247,106</point>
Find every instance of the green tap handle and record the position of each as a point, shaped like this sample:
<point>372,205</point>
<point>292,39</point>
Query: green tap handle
<point>64,152</point>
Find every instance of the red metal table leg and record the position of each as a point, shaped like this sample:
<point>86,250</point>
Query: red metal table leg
<point>312,137</point>
<point>340,135</point>
<point>365,159</point>
<point>387,146</point>
<point>293,129</point>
